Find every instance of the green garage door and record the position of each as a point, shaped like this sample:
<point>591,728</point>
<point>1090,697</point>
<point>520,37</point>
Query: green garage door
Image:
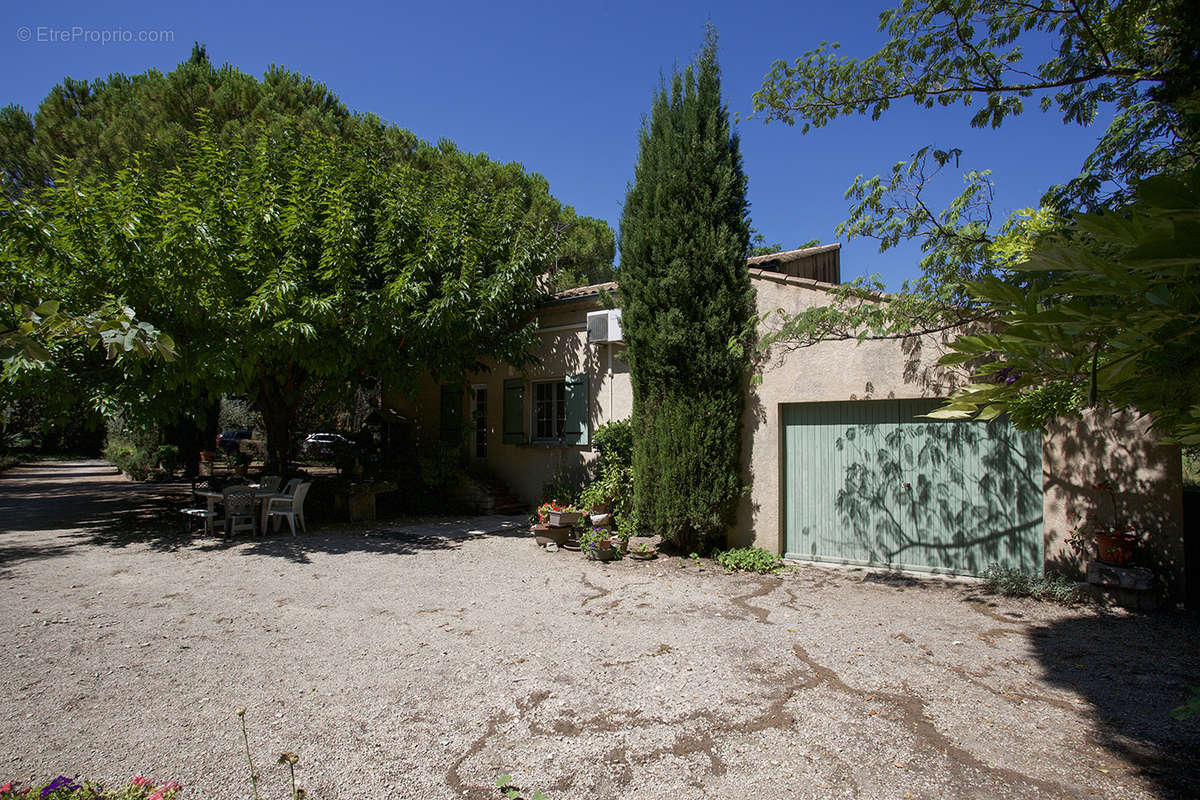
<point>872,483</point>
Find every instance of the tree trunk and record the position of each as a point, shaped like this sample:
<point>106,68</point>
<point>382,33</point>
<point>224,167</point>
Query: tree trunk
<point>278,421</point>
<point>191,437</point>
<point>277,401</point>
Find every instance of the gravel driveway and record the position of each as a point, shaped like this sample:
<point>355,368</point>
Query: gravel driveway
<point>423,666</point>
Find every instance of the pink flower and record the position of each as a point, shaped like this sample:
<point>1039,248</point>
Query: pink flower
<point>138,780</point>
<point>6,788</point>
<point>170,786</point>
<point>157,796</point>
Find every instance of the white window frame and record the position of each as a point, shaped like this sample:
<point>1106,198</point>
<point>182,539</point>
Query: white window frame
<point>558,405</point>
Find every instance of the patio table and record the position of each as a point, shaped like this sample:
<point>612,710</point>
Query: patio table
<point>212,497</point>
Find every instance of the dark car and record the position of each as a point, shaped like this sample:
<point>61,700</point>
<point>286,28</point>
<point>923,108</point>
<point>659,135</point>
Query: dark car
<point>324,445</point>
<point>230,441</point>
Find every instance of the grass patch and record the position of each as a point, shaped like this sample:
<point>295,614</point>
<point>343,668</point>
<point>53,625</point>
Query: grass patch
<point>7,462</point>
<point>750,559</point>
<point>1011,582</point>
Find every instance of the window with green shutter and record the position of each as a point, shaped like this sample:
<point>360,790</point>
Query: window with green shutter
<point>514,411</point>
<point>576,429</point>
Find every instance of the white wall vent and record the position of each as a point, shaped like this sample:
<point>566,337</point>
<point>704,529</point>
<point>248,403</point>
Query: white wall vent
<point>604,326</point>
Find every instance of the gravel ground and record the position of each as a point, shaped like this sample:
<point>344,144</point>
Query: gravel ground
<point>418,662</point>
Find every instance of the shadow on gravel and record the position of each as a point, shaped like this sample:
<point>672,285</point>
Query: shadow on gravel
<point>91,505</point>
<point>68,495</point>
<point>395,543</point>
<point>1134,670</point>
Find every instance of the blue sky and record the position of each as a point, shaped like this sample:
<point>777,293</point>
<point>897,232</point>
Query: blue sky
<point>561,89</point>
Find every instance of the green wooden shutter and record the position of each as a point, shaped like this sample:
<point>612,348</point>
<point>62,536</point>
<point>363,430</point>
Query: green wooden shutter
<point>452,415</point>
<point>514,411</point>
<point>576,431</point>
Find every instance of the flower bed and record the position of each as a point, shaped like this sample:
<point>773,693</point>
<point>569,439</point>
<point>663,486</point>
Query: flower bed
<point>64,788</point>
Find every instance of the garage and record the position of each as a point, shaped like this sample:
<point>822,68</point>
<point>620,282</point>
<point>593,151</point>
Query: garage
<point>874,483</point>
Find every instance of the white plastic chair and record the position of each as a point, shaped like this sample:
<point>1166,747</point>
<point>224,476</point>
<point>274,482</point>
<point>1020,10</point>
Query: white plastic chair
<point>290,489</point>
<point>290,508</point>
<point>238,502</point>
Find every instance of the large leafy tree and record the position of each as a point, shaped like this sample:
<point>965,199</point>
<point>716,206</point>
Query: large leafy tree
<point>586,250</point>
<point>288,261</point>
<point>686,300</point>
<point>1106,308</point>
<point>1140,58</point>
<point>136,138</point>
<point>99,125</point>
<point>1071,56</point>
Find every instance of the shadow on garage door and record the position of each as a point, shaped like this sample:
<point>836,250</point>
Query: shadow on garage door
<point>870,482</point>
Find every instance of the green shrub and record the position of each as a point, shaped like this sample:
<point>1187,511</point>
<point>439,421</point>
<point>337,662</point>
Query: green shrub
<point>750,559</point>
<point>613,443</point>
<point>166,458</point>
<point>614,473</point>
<point>1191,465</point>
<point>1011,582</point>
<point>136,462</point>
<point>438,466</point>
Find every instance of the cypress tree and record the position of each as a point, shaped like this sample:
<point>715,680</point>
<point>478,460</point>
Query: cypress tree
<point>687,307</point>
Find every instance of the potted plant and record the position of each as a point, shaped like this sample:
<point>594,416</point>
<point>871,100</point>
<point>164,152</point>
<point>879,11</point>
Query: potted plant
<point>644,552</point>
<point>545,534</point>
<point>598,545</point>
<point>1114,543</point>
<point>596,497</point>
<point>559,515</point>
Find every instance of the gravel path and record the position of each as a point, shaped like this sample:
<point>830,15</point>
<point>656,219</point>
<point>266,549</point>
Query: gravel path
<point>423,666</point>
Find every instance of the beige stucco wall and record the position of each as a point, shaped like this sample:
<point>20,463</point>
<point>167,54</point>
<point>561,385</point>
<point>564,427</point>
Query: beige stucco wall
<point>1075,453</point>
<point>563,350</point>
<point>1118,449</point>
<point>830,371</point>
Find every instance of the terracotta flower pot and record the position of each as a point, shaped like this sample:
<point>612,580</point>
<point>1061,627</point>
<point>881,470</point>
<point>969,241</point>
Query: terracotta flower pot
<point>547,533</point>
<point>1115,549</point>
<point>602,554</point>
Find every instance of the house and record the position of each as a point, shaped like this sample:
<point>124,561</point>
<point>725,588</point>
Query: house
<point>840,464</point>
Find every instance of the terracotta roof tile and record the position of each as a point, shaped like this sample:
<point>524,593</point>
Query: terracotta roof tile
<point>793,255</point>
<point>578,292</point>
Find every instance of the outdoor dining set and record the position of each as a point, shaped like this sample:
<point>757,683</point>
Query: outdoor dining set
<point>240,507</point>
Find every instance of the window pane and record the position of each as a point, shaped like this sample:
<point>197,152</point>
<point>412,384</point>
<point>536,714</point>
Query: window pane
<point>560,408</point>
<point>543,411</point>
<point>549,410</point>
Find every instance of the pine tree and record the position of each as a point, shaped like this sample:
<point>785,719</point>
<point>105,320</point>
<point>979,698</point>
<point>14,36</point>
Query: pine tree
<point>687,305</point>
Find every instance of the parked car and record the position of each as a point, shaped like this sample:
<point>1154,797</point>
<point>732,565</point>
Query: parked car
<point>231,441</point>
<point>323,445</point>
